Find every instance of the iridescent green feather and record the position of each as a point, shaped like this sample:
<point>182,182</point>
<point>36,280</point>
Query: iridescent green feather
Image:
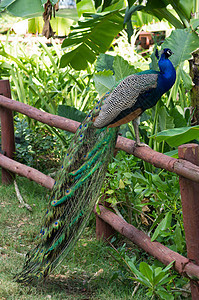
<point>73,197</point>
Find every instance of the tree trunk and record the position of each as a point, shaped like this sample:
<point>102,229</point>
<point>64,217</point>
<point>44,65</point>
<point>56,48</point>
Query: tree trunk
<point>194,73</point>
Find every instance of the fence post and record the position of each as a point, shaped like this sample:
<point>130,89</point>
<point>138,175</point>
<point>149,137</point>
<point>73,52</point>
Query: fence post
<point>103,229</point>
<point>190,208</point>
<point>7,131</point>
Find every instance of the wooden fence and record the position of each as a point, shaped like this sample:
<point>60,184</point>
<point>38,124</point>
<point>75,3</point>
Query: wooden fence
<point>187,167</point>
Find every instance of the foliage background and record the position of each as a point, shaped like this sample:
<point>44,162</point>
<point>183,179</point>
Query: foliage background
<point>67,79</point>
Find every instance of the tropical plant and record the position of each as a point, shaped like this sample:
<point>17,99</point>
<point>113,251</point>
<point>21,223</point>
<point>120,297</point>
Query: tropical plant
<point>156,279</point>
<point>37,80</point>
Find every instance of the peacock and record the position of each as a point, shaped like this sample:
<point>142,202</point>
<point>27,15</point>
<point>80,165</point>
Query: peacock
<point>81,176</point>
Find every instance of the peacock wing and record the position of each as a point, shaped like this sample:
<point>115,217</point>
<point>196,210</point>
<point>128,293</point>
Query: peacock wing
<point>122,100</point>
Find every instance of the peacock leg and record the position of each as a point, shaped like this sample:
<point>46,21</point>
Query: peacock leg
<point>136,124</point>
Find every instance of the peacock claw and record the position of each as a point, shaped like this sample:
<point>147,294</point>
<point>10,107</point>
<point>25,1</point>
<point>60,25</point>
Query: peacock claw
<point>138,144</point>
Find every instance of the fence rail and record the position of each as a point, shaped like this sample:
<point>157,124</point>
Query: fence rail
<point>159,160</point>
<point>187,167</point>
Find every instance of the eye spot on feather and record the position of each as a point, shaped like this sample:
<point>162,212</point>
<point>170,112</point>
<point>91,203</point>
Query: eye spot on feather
<point>80,127</point>
<point>62,167</point>
<point>55,183</point>
<point>68,192</point>
<point>85,156</point>
<point>96,107</point>
<point>56,224</point>
<point>53,202</point>
<point>85,125</point>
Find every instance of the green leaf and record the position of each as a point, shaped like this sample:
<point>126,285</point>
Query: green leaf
<point>186,79</point>
<point>104,62</point>
<point>173,153</point>
<point>141,280</point>
<point>52,59</point>
<point>122,68</point>
<point>194,23</point>
<point>85,6</point>
<point>26,9</point>
<point>178,238</point>
<point>140,176</point>
<point>154,62</point>
<point>160,276</point>
<point>104,81</point>
<point>165,295</point>
<point>147,271</point>
<point>52,1</point>
<point>127,19</point>
<point>164,224</point>
<point>110,5</point>
<point>182,42</point>
<point>151,4</point>
<point>186,7</point>
<point>178,119</point>
<point>91,37</point>
<point>178,136</point>
<point>5,3</point>
<point>110,192</point>
<point>164,13</point>
<point>78,58</point>
<point>98,209</point>
<point>70,112</point>
<point>130,11</point>
<point>169,266</point>
<point>121,184</point>
<point>165,121</point>
<point>68,13</point>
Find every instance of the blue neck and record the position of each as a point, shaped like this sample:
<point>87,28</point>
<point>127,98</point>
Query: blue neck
<point>167,73</point>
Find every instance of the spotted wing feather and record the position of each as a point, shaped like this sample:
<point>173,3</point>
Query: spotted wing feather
<point>124,97</point>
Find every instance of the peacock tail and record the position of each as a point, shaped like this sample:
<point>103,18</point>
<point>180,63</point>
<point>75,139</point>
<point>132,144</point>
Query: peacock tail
<point>73,197</point>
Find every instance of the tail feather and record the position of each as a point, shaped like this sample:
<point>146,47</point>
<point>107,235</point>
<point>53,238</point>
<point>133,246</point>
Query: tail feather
<point>73,197</point>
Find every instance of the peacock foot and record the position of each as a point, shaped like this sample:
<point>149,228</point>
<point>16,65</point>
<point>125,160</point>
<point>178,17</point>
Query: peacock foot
<point>138,144</point>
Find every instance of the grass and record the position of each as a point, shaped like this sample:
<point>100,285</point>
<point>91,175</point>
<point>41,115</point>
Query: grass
<point>85,274</point>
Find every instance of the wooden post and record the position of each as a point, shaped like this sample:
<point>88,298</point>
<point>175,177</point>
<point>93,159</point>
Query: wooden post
<point>7,131</point>
<point>103,229</point>
<point>190,208</point>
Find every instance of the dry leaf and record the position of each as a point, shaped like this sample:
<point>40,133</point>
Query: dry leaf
<point>144,220</point>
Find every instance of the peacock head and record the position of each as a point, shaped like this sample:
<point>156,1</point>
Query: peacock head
<point>167,52</point>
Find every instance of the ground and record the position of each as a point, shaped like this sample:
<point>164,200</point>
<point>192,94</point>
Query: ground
<point>85,274</point>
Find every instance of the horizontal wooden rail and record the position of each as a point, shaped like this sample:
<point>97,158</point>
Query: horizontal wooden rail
<point>181,264</point>
<point>43,117</point>
<point>159,160</point>
<point>23,170</point>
